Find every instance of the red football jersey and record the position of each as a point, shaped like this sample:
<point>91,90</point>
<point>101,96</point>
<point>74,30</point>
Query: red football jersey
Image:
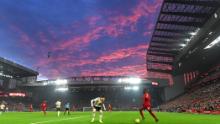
<point>43,105</point>
<point>147,99</point>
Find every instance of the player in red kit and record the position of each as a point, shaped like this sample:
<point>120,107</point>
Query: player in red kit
<point>109,107</point>
<point>147,105</point>
<point>44,107</point>
<point>31,108</point>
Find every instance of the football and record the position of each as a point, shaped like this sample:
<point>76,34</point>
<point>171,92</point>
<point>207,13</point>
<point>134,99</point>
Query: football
<point>137,121</point>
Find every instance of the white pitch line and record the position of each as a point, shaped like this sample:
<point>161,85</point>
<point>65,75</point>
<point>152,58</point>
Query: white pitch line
<point>41,122</point>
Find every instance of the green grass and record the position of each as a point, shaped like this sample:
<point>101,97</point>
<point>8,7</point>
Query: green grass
<point>109,118</point>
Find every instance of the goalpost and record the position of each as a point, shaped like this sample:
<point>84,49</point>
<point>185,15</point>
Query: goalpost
<point>87,109</point>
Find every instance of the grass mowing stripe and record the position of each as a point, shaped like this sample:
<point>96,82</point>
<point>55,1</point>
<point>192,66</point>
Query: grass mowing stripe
<point>41,122</point>
<point>109,118</point>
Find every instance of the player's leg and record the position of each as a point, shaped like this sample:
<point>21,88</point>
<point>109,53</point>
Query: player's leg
<point>152,114</point>
<point>93,115</point>
<point>68,111</point>
<point>65,112</point>
<point>100,116</point>
<point>44,111</point>
<point>58,112</point>
<point>142,113</point>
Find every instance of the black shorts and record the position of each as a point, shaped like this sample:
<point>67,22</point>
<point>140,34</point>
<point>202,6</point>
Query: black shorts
<point>67,109</point>
<point>97,108</point>
<point>58,109</point>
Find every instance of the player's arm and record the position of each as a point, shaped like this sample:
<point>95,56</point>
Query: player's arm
<point>104,106</point>
<point>92,102</point>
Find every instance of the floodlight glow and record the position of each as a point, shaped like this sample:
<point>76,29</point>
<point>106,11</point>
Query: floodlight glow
<point>193,33</point>
<point>134,80</point>
<point>120,80</point>
<point>215,15</point>
<point>217,40</point>
<point>135,88</point>
<point>62,89</point>
<point>127,88</point>
<point>182,45</point>
<point>60,82</point>
<point>187,40</point>
<point>130,80</point>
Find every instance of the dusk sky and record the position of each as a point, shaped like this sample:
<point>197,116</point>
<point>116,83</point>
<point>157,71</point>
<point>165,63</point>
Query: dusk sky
<point>81,37</point>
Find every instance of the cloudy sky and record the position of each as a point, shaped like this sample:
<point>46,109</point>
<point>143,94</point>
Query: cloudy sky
<point>63,38</point>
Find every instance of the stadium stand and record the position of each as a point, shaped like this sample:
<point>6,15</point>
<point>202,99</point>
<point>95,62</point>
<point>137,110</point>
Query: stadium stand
<point>201,97</point>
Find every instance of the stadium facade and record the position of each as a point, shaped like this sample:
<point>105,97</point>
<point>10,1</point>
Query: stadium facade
<point>12,75</point>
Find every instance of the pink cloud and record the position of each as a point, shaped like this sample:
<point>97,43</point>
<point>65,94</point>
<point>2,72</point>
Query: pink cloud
<point>143,9</point>
<point>80,41</point>
<point>139,51</point>
<point>92,21</point>
<point>42,37</point>
<point>117,26</point>
<point>66,62</point>
<point>129,70</point>
<point>24,37</point>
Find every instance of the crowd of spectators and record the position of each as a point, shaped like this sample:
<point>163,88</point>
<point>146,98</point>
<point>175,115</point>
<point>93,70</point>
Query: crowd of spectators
<point>202,100</point>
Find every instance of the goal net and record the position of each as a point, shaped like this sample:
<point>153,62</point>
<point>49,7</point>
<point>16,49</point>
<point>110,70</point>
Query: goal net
<point>87,109</point>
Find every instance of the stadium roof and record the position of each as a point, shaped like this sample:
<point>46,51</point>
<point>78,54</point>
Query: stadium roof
<point>178,22</point>
<point>13,70</point>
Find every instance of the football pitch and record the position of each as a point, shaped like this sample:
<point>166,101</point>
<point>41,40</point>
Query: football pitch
<point>109,118</point>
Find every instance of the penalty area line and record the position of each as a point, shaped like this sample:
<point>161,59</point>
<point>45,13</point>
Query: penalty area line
<point>42,122</point>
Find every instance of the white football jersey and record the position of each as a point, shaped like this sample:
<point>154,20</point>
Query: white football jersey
<point>2,106</point>
<point>58,104</point>
<point>97,102</point>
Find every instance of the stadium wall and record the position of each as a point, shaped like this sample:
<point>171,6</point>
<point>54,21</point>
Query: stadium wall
<point>176,89</point>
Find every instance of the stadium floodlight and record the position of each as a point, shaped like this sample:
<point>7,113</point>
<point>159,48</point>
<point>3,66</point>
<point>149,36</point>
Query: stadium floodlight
<point>120,80</point>
<point>217,40</point>
<point>187,40</point>
<point>135,88</point>
<point>60,82</point>
<point>134,80</point>
<point>193,33</point>
<point>210,33</point>
<point>182,45</point>
<point>130,80</point>
<point>215,15</point>
<point>62,89</point>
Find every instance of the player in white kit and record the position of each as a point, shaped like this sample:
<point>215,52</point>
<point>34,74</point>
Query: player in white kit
<point>58,107</point>
<point>97,105</point>
<point>2,108</point>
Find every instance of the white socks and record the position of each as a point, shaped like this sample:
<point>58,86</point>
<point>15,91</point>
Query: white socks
<point>100,116</point>
<point>58,113</point>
